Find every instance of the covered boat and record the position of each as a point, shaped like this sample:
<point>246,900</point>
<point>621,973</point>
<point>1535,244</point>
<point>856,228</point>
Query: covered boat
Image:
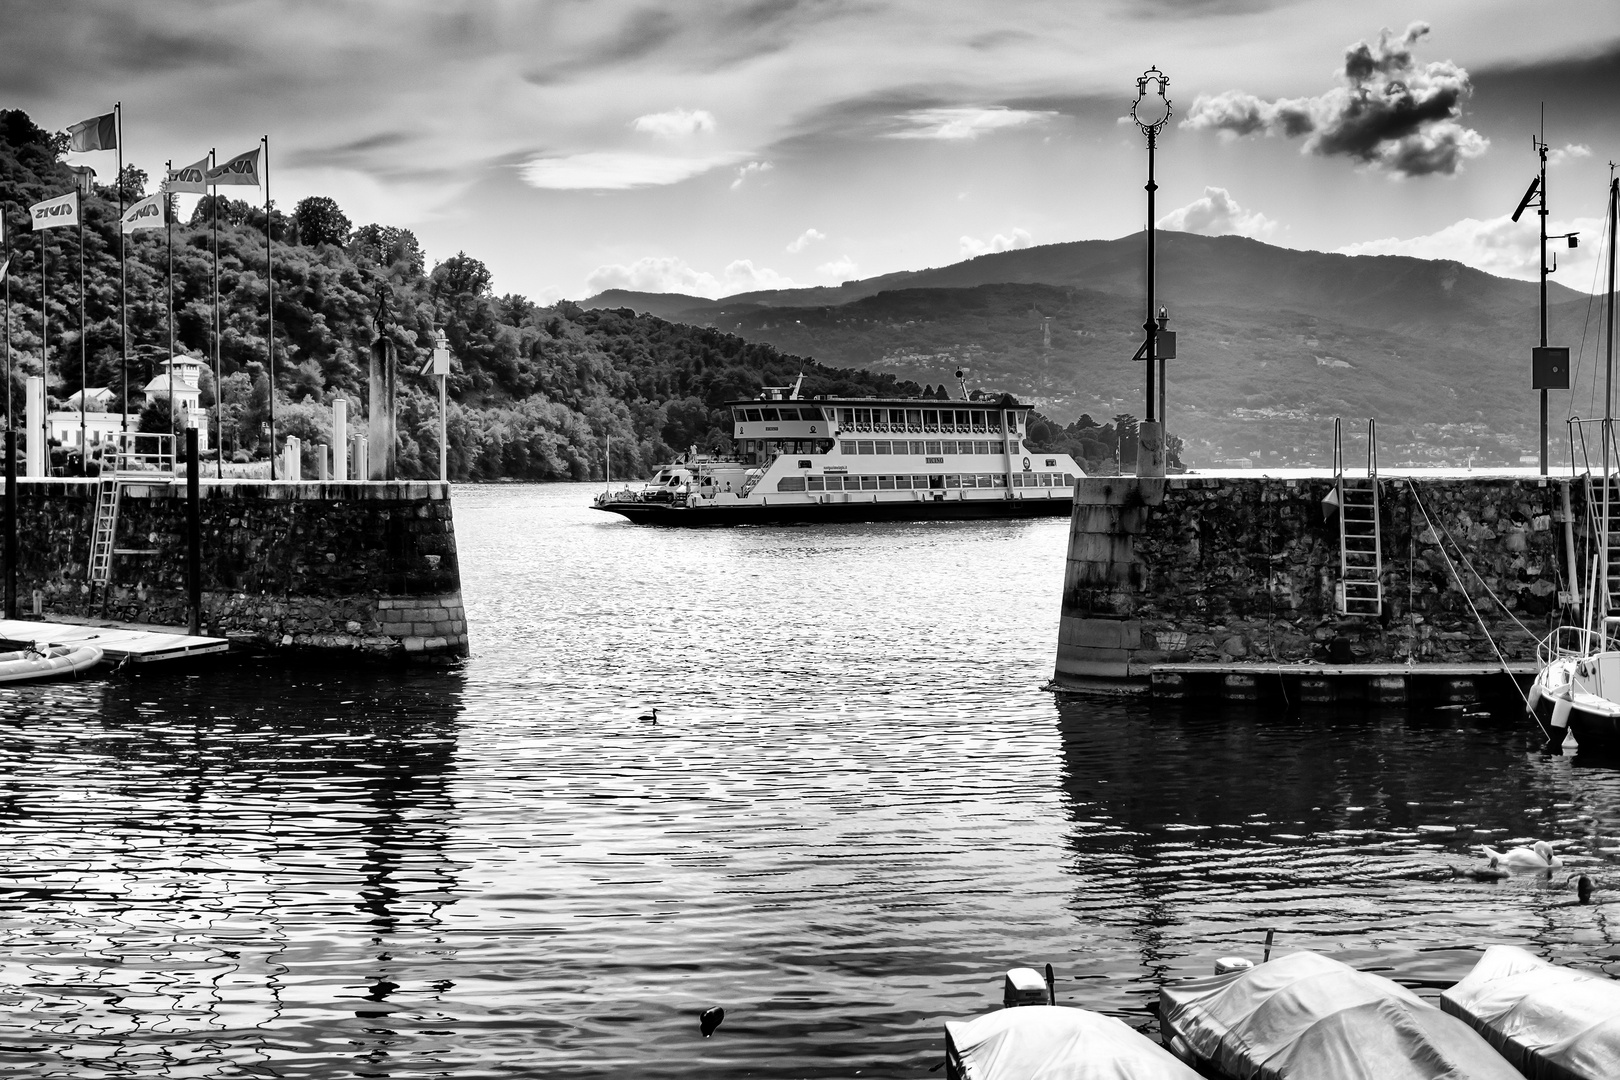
<point>1308,1017</point>
<point>1551,1022</point>
<point>53,661</point>
<point>1054,1042</point>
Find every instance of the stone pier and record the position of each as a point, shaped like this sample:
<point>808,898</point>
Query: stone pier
<point>1241,572</point>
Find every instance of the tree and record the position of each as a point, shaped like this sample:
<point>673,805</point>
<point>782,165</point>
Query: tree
<point>461,275</point>
<point>384,245</point>
<point>320,222</point>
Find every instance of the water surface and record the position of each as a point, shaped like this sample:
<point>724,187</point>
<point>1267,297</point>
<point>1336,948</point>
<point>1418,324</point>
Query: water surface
<point>856,809</point>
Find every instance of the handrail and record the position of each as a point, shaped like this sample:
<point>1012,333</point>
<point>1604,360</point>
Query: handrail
<point>1372,448</point>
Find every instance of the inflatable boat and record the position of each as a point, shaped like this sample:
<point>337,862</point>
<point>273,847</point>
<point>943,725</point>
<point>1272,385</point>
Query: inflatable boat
<point>51,662</point>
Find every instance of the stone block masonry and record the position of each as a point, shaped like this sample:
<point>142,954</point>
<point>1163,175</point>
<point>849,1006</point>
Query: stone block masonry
<point>1245,568</point>
<point>362,566</point>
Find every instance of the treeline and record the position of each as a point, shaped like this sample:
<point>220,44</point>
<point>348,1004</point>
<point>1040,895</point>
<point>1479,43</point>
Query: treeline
<point>534,391</point>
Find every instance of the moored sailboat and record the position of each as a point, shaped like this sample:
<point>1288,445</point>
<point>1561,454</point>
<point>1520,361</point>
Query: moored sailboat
<point>1577,685</point>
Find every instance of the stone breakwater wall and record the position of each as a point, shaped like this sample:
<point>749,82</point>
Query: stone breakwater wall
<point>334,566</point>
<point>1245,568</point>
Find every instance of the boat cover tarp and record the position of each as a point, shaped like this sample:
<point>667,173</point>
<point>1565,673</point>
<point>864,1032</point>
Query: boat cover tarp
<point>1054,1042</point>
<point>1308,1017</point>
<point>1552,1022</point>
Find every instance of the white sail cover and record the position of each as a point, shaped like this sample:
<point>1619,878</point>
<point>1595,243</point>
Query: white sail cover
<point>1307,1017</point>
<point>1552,1022</point>
<point>1053,1042</point>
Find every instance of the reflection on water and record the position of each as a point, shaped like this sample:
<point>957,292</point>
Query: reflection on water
<point>856,809</point>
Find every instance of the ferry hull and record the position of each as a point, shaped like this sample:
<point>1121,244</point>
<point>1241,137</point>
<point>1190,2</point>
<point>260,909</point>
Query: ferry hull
<point>840,513</point>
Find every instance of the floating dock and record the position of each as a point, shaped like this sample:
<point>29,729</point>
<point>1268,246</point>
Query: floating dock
<point>118,642</point>
<point>1374,684</point>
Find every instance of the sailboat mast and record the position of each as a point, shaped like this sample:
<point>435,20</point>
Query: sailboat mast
<point>1608,407</point>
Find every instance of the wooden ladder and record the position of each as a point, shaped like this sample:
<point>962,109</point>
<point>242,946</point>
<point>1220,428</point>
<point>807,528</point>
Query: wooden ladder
<point>1361,560</point>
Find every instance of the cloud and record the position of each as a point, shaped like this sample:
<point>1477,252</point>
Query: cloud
<point>675,124</point>
<point>749,169</point>
<point>1500,246</point>
<point>972,247</point>
<point>844,268</point>
<point>805,239</point>
<point>1217,214</point>
<point>1568,152</point>
<point>965,123</point>
<point>611,170</point>
<point>1390,113</point>
<point>672,274</point>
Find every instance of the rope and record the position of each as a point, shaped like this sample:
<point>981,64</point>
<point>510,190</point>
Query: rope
<point>1485,629</point>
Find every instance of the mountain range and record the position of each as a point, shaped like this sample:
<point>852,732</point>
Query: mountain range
<point>1274,343</point>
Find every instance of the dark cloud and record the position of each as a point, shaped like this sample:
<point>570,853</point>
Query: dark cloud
<point>352,154</point>
<point>1390,112</point>
<point>47,46</point>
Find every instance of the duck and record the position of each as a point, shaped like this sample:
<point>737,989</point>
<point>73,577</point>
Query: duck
<point>649,717</point>
<point>710,1020</point>
<point>1536,857</point>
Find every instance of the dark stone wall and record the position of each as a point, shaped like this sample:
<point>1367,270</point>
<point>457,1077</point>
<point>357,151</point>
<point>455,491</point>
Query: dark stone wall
<point>326,565</point>
<point>1245,568</point>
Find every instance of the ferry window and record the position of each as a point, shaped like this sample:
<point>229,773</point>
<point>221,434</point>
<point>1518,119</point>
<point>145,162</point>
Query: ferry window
<point>846,416</point>
<point>1046,479</point>
<point>815,483</point>
<point>978,420</point>
<point>897,419</point>
<point>995,421</point>
<point>739,415</point>
<point>963,422</point>
<point>933,448</point>
<point>914,419</point>
<point>1018,479</point>
<point>986,480</point>
<point>834,483</point>
<point>864,447</point>
<point>947,420</point>
<point>1050,462</point>
<point>768,414</point>
<point>804,463</point>
<point>790,483</point>
<point>952,480</point>
<point>998,448</point>
<point>903,483</point>
<point>868,483</point>
<point>950,447</point>
<point>916,447</point>
<point>812,413</point>
<point>823,446</point>
<point>863,418</point>
<point>846,446</point>
<point>789,414</point>
<point>753,414</point>
<point>936,481</point>
<point>1068,480</point>
<point>1012,446</point>
<point>930,419</point>
<point>981,448</point>
<point>885,483</point>
<point>997,480</point>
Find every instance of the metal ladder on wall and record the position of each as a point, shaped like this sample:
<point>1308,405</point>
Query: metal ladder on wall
<point>1361,559</point>
<point>134,457</point>
<point>1606,530</point>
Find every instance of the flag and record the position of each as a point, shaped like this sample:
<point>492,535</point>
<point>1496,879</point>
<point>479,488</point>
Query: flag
<point>146,214</point>
<point>54,213</point>
<point>188,179</point>
<point>96,133</point>
<point>243,170</point>
<point>4,266</point>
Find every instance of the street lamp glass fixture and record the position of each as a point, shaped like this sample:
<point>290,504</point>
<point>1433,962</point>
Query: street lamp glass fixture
<point>1151,108</point>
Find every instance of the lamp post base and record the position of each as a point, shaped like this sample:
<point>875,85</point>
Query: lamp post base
<point>1150,449</point>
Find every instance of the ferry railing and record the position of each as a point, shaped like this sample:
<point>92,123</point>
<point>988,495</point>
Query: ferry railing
<point>140,452</point>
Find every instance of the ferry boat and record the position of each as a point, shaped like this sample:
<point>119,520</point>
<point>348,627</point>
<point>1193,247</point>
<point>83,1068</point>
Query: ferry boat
<point>797,460</point>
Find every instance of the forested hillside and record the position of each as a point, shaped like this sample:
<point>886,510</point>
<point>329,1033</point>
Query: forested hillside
<point>534,391</point>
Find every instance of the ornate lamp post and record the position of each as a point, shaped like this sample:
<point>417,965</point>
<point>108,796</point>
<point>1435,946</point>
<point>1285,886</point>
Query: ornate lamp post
<point>1151,110</point>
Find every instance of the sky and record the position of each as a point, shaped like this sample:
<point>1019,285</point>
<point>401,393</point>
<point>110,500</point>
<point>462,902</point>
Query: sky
<point>715,147</point>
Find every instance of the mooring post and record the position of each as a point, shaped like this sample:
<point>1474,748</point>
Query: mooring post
<point>11,523</point>
<point>193,539</point>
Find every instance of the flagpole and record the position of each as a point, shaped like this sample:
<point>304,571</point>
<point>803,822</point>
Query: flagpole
<point>219,389</point>
<point>168,225</point>
<point>5,234</point>
<point>44,341</point>
<point>270,283</point>
<point>123,280</point>
<point>84,365</point>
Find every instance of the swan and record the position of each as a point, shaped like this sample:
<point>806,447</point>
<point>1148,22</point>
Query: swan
<point>1538,856</point>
